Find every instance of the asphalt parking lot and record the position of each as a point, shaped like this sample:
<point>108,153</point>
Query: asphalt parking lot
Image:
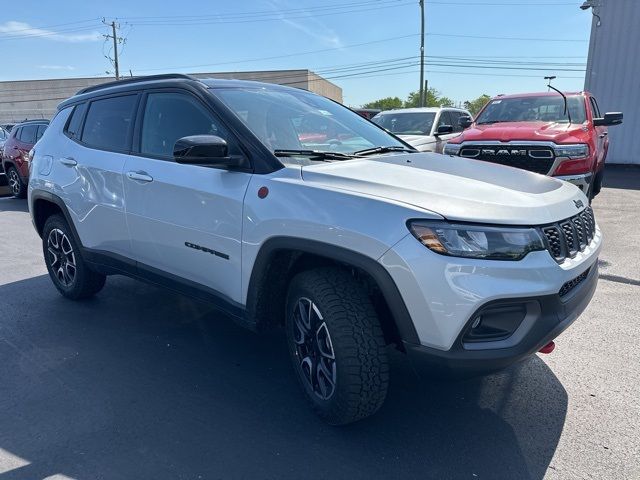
<point>140,383</point>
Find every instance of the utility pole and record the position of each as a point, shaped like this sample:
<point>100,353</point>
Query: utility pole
<point>422,91</point>
<point>116,40</point>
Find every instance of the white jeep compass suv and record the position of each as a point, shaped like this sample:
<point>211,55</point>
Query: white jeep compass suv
<point>282,207</point>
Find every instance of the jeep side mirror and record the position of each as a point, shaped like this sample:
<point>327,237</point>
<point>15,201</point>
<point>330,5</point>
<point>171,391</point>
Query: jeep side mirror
<point>204,150</point>
<point>465,121</point>
<point>610,118</point>
<point>444,129</point>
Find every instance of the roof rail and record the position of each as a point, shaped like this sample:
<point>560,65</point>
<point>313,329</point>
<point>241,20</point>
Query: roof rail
<point>164,76</point>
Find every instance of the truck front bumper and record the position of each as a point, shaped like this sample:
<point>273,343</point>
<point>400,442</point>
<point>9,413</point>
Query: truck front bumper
<point>582,181</point>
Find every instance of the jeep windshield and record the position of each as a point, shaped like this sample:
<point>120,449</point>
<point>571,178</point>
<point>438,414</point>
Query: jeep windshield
<point>543,108</point>
<point>295,123</point>
<point>406,123</point>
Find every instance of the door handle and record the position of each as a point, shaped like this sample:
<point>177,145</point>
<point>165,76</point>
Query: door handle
<point>68,161</point>
<point>140,176</point>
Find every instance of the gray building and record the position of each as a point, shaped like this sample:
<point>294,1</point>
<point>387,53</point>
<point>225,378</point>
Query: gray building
<point>31,99</point>
<point>613,72</point>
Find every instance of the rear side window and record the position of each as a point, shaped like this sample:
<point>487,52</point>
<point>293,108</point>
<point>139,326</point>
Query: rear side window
<point>74,124</point>
<point>109,122</point>
<point>28,134</point>
<point>595,111</point>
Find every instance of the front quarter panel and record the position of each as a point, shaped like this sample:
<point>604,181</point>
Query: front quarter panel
<point>366,224</point>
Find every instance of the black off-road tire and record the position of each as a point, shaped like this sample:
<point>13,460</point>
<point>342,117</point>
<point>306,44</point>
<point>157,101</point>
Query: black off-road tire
<point>85,282</point>
<point>16,185</point>
<point>361,363</point>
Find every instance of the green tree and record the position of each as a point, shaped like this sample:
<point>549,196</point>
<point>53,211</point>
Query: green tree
<point>474,106</point>
<point>434,99</point>
<point>388,103</point>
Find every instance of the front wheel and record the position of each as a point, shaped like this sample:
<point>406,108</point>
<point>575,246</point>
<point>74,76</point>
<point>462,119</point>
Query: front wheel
<point>68,271</point>
<point>336,345</point>
<point>16,185</point>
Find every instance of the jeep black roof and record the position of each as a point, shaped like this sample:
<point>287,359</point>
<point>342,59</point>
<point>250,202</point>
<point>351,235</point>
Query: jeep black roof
<point>170,79</point>
<point>37,121</point>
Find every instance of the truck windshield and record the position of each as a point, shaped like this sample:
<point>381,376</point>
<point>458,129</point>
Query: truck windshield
<point>544,108</point>
<point>296,120</point>
<point>406,123</point>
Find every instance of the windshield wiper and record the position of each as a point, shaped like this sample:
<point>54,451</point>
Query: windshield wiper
<point>495,121</point>
<point>375,150</point>
<point>319,154</point>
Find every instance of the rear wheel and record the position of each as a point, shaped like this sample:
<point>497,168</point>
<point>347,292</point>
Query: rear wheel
<point>16,185</point>
<point>68,271</point>
<point>336,345</point>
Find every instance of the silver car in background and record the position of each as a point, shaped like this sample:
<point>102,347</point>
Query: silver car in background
<point>427,129</point>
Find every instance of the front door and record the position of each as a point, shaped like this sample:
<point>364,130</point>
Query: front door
<point>184,220</point>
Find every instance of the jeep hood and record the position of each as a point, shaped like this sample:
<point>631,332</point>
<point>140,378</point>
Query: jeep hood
<point>534,131</point>
<point>456,188</point>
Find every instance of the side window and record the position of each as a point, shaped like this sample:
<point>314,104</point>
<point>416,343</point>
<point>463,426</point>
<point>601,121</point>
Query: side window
<point>41,129</point>
<point>16,132</point>
<point>171,116</point>
<point>444,119</point>
<point>595,111</point>
<point>455,120</point>
<point>74,124</point>
<point>28,134</point>
<point>109,122</point>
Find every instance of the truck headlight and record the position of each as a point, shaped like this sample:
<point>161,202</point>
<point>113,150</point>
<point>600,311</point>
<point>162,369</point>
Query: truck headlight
<point>580,150</point>
<point>476,241</point>
<point>451,149</point>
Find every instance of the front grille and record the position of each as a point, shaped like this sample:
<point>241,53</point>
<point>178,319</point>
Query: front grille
<point>571,284</point>
<point>570,236</point>
<point>534,158</point>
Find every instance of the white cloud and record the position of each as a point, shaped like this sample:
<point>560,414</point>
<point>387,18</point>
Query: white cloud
<point>15,29</point>
<point>57,67</point>
<point>319,32</point>
<point>314,28</point>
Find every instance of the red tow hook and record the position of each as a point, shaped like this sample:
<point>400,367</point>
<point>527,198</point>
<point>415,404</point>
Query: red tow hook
<point>548,348</point>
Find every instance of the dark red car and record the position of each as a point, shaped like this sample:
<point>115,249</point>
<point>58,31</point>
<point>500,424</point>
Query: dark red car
<point>15,155</point>
<point>540,133</point>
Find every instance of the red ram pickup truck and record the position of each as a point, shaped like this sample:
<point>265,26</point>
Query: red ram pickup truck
<point>541,133</point>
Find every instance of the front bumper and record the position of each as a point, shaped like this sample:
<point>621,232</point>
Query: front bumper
<point>547,317</point>
<point>444,295</point>
<point>581,181</point>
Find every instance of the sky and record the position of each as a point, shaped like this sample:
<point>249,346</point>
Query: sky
<point>370,48</point>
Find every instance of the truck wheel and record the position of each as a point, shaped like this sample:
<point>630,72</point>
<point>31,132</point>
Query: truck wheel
<point>17,187</point>
<point>68,271</point>
<point>336,345</point>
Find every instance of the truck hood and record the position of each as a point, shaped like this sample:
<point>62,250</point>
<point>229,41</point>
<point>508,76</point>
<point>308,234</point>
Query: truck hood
<point>419,140</point>
<point>456,188</point>
<point>533,131</point>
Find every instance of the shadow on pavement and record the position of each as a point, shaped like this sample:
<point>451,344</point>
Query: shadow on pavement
<point>622,176</point>
<point>12,204</point>
<point>142,383</point>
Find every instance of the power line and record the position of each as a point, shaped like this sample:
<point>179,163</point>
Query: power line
<point>46,27</point>
<point>49,33</point>
<point>527,39</point>
<point>308,52</point>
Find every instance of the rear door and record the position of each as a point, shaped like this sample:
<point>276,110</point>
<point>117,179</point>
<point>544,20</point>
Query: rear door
<point>185,220</point>
<point>89,171</point>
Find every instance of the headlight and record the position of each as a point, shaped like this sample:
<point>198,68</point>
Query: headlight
<point>572,151</point>
<point>451,149</point>
<point>477,241</point>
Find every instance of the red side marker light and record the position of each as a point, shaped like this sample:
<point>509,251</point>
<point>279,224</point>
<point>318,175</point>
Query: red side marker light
<point>263,192</point>
<point>548,348</point>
